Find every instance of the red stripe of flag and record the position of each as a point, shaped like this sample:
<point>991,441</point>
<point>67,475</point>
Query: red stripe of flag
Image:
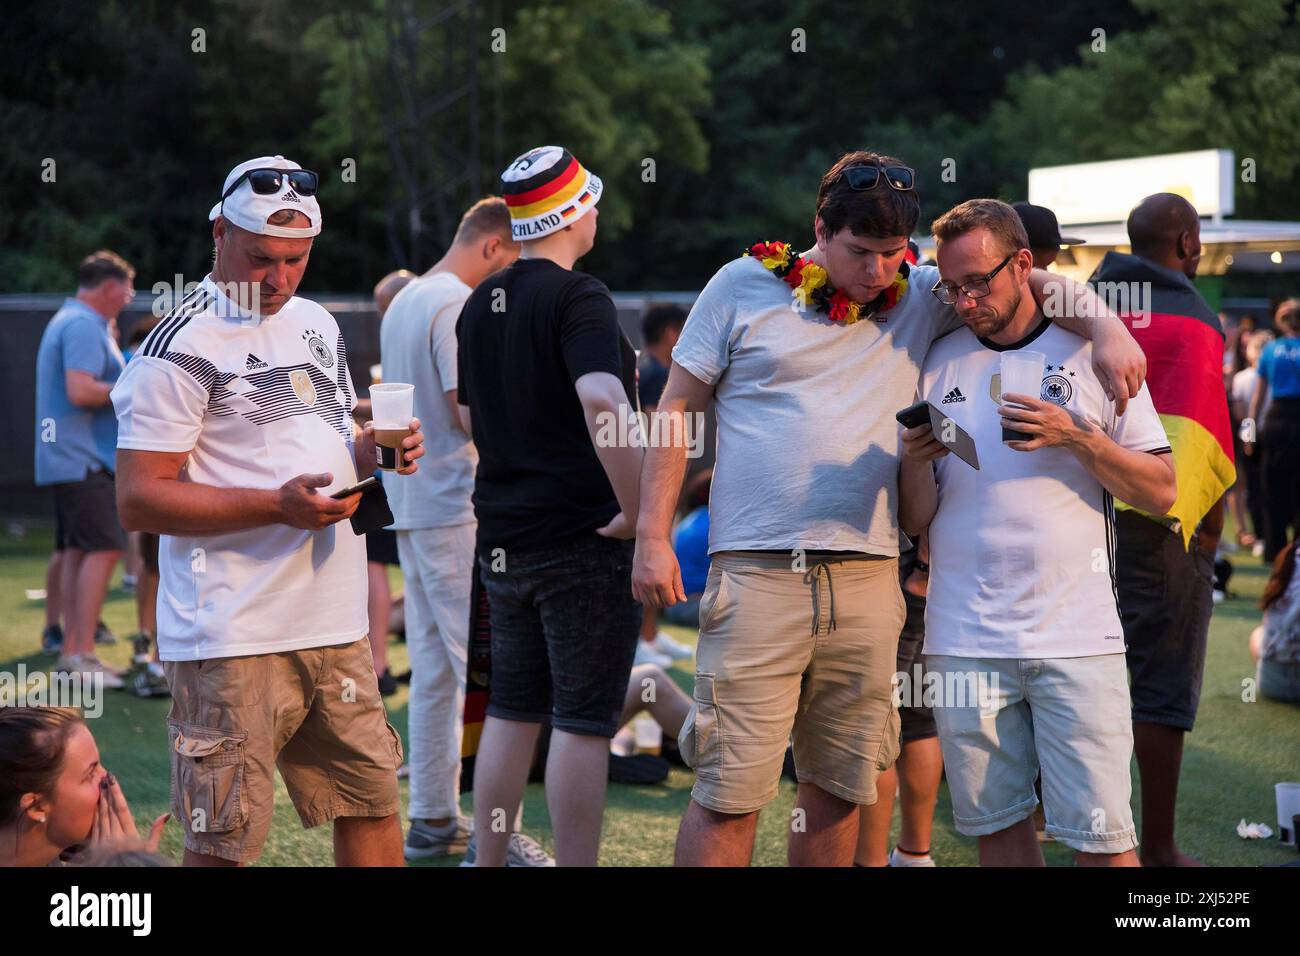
<point>550,189</point>
<point>1185,370</point>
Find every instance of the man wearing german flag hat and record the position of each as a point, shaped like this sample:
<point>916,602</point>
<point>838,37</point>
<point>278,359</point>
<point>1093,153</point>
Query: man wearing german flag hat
<point>543,364</point>
<point>1165,563</point>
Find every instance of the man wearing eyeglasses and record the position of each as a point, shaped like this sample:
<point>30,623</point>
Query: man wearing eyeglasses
<point>800,618</point>
<point>1022,602</point>
<point>234,431</point>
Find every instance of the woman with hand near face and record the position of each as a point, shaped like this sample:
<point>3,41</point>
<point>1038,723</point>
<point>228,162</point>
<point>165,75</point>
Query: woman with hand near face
<point>54,793</point>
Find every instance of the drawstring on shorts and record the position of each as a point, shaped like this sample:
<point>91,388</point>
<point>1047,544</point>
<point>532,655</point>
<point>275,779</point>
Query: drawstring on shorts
<point>810,578</point>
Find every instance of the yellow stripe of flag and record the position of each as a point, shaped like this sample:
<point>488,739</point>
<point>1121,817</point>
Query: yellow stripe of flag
<point>551,202</point>
<point>1204,472</point>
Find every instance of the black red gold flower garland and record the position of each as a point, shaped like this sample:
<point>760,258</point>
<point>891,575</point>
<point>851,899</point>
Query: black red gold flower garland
<point>811,284</point>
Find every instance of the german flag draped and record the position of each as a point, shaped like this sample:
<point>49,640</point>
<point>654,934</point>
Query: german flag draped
<point>1184,350</point>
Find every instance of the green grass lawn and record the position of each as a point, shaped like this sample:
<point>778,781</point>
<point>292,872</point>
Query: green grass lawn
<point>1236,754</point>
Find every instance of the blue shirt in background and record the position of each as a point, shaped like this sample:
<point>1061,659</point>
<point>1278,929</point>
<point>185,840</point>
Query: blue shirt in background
<point>1279,365</point>
<point>72,442</point>
<point>691,542</point>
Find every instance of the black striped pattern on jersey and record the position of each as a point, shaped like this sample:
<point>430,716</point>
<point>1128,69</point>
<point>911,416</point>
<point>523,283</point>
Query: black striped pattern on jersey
<point>1108,513</point>
<point>275,399</point>
<point>158,341</point>
<point>201,370</point>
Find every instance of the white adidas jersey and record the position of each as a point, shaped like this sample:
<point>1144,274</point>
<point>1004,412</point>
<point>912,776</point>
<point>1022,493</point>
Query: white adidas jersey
<point>254,402</point>
<point>1022,560</point>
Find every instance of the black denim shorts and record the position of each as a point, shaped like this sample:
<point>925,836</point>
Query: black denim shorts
<point>1165,604</point>
<point>917,723</point>
<point>564,631</point>
<point>86,514</point>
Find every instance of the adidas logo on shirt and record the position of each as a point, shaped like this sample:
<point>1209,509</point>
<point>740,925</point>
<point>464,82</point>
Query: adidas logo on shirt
<point>954,396</point>
<point>290,196</point>
<point>254,363</point>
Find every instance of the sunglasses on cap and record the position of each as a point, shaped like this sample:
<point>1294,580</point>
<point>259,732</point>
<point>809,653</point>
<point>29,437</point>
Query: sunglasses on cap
<point>265,181</point>
<point>862,178</point>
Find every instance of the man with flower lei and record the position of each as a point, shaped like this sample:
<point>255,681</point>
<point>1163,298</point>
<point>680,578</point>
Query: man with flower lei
<point>807,358</point>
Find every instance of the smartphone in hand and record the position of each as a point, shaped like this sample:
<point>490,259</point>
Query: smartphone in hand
<point>362,486</point>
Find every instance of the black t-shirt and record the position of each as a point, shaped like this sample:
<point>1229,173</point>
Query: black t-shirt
<point>538,481</point>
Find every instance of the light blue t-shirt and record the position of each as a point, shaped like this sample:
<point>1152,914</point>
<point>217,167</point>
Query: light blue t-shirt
<point>72,442</point>
<point>1279,365</point>
<point>807,443</point>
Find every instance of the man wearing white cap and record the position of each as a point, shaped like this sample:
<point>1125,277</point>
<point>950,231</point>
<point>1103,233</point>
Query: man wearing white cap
<point>233,433</point>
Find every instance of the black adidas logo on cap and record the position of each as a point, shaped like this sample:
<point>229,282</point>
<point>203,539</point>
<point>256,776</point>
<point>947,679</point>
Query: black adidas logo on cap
<point>954,396</point>
<point>290,196</point>
<point>253,363</point>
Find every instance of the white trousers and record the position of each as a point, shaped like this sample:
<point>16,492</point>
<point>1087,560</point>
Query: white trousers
<point>437,565</point>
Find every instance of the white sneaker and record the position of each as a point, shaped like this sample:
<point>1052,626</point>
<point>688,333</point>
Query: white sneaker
<point>89,664</point>
<point>521,851</point>
<point>646,654</point>
<point>909,859</point>
<point>623,743</point>
<point>664,644</point>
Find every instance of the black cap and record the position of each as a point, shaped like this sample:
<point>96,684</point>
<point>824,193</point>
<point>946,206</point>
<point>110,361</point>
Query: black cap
<point>1041,227</point>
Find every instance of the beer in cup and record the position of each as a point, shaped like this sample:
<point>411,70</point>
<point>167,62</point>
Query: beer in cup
<point>392,405</point>
<point>1022,374</point>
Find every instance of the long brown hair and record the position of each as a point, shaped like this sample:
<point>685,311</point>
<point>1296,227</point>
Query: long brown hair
<point>32,742</point>
<point>1283,568</point>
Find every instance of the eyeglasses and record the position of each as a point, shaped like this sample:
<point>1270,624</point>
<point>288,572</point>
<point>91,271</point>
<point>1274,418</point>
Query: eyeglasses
<point>977,288</point>
<point>902,178</point>
<point>266,181</point>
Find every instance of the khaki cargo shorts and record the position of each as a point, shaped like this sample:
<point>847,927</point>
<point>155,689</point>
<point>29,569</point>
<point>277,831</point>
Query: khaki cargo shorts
<point>316,714</point>
<point>808,651</point>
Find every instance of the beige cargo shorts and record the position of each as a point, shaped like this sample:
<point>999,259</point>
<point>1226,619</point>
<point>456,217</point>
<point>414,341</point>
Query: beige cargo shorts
<point>315,714</point>
<point>794,650</point>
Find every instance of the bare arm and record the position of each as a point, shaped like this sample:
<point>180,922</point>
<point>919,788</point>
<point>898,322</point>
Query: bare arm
<point>604,404</point>
<point>454,408</point>
<point>1118,360</point>
<point>1139,478</point>
<point>656,575</point>
<point>151,497</point>
<point>1256,409</point>
<point>918,492</point>
<point>84,390</point>
<point>462,416</point>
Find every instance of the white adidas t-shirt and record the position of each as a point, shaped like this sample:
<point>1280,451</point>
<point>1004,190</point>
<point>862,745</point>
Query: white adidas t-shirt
<point>255,402</point>
<point>1022,559</point>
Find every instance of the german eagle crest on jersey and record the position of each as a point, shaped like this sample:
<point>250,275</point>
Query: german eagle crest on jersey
<point>319,350</point>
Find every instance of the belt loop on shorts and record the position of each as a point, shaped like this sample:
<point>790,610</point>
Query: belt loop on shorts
<point>811,577</point>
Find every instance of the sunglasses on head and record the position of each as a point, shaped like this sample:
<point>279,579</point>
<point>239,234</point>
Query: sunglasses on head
<point>266,181</point>
<point>861,178</point>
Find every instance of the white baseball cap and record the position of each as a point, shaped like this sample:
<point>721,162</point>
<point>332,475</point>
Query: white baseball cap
<point>250,210</point>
